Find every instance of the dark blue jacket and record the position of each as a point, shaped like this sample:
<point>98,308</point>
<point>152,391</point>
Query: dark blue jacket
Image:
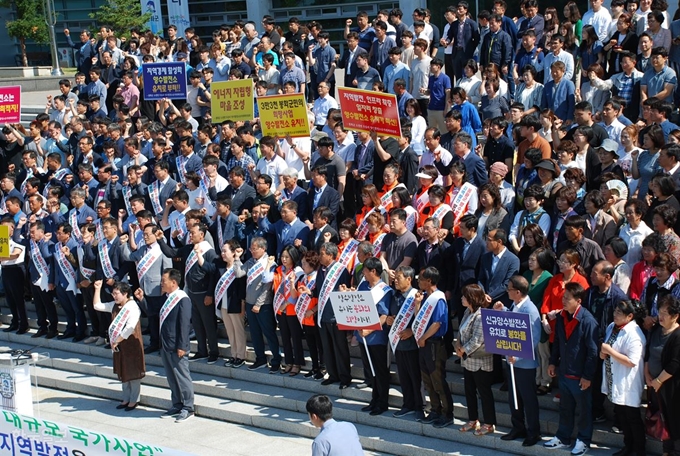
<point>604,315</point>
<point>577,356</point>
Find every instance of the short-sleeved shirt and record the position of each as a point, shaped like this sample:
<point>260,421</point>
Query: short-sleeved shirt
<point>438,85</point>
<point>296,75</point>
<point>439,315</point>
<point>538,143</point>
<point>325,57</point>
<point>336,167</point>
<point>396,248</point>
<point>420,73</point>
<point>366,79</point>
<point>273,168</point>
<point>655,82</point>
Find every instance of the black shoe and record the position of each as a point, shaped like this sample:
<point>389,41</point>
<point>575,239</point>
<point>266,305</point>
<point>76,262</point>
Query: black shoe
<point>420,416</point>
<point>149,350</point>
<point>377,411</point>
<point>129,409</point>
<point>328,381</point>
<point>121,406</point>
<point>40,333</point>
<point>257,365</point>
<point>622,452</point>
<point>79,338</point>
<point>51,335</point>
<point>310,374</point>
<point>514,435</point>
<point>504,386</point>
<point>274,369</point>
<point>196,357</point>
<point>531,441</point>
<point>600,419</point>
<point>22,330</point>
<point>402,412</point>
<point>319,375</point>
<point>238,362</point>
<point>431,418</point>
<point>10,328</point>
<point>442,422</point>
<point>183,416</point>
<point>367,408</point>
<point>66,335</point>
<point>212,359</point>
<point>172,413</point>
<point>344,386</point>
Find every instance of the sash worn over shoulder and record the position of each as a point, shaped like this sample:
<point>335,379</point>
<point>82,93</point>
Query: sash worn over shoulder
<point>402,319</point>
<point>328,286</point>
<point>425,313</point>
<point>173,299</point>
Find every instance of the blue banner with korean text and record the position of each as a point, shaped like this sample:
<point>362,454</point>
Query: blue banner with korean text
<point>507,333</point>
<point>165,80</point>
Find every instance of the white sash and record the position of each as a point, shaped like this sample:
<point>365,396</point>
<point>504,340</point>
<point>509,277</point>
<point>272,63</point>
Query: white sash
<point>170,303</point>
<point>73,221</point>
<point>42,267</point>
<point>29,174</point>
<point>302,304</point>
<point>120,322</point>
<point>99,231</point>
<point>154,196</point>
<point>411,219</point>
<point>362,232</point>
<point>256,270</point>
<point>441,211</point>
<point>220,236</point>
<point>148,260</point>
<point>284,290</point>
<point>107,267</point>
<point>377,244</point>
<point>193,258</point>
<point>402,319</point>
<point>181,162</point>
<point>328,286</point>
<point>425,313</point>
<point>127,194</point>
<point>223,285</point>
<point>86,272</point>
<point>379,291</point>
<point>178,223</point>
<point>422,200</point>
<point>460,202</point>
<point>348,252</point>
<point>386,199</point>
<point>66,269</point>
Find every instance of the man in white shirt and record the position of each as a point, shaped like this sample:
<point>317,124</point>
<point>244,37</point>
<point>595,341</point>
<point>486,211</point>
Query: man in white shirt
<point>599,18</point>
<point>323,104</point>
<point>558,54</point>
<point>610,121</point>
<point>270,164</point>
<point>435,152</point>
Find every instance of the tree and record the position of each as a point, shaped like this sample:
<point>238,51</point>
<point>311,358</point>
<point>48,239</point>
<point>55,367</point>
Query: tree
<point>29,23</point>
<point>122,16</point>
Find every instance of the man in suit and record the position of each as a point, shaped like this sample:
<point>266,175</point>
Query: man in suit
<point>110,264</point>
<point>240,193</point>
<point>348,60</point>
<point>559,93</point>
<point>162,188</point>
<point>292,191</point>
<point>322,231</point>
<point>498,264</point>
<point>464,258</point>
<point>108,189</point>
<point>431,252</point>
<point>322,194</point>
<point>600,226</point>
<point>474,164</point>
<point>175,328</point>
<point>39,271</point>
<point>150,263</point>
<point>669,160</point>
<point>525,368</point>
<point>224,226</point>
<point>187,160</point>
<point>288,229</point>
<point>79,215</point>
<point>463,35</point>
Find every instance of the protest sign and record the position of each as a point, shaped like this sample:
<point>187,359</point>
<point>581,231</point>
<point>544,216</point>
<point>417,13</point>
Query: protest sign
<point>232,100</point>
<point>363,110</point>
<point>10,104</point>
<point>507,333</point>
<point>282,115</point>
<point>25,435</point>
<point>355,310</point>
<point>4,242</point>
<point>164,80</point>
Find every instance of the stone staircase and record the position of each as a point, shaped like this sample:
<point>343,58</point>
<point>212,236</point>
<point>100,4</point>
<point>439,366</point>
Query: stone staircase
<point>277,402</point>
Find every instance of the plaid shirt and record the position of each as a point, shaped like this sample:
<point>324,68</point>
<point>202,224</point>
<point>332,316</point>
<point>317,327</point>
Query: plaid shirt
<point>471,338</point>
<point>626,89</point>
<point>244,162</point>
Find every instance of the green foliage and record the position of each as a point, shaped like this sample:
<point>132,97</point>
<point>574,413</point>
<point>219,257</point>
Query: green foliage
<point>122,16</point>
<point>30,21</point>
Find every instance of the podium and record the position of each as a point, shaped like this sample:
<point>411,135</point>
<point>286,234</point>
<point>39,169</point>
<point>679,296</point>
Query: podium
<point>16,394</point>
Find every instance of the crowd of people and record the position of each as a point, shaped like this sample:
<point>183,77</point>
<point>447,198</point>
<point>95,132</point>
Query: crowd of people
<point>549,186</point>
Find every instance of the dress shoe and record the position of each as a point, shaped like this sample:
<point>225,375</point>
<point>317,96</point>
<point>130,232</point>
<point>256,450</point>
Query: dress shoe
<point>149,350</point>
<point>66,335</point>
<point>40,333</point>
<point>328,381</point>
<point>51,335</point>
<point>79,338</point>
<point>344,386</point>
<point>513,435</point>
<point>121,406</point>
<point>377,411</point>
<point>531,441</point>
<point>131,408</point>
<point>10,328</point>
<point>367,408</point>
<point>22,330</point>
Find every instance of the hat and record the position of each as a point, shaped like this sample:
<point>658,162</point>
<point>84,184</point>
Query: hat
<point>290,172</point>
<point>610,146</point>
<point>550,165</point>
<point>499,168</point>
<point>181,55</point>
<point>317,135</point>
<point>424,175</point>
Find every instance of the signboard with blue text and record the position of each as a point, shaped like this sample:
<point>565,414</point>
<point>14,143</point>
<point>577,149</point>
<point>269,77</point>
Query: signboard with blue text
<point>507,333</point>
<point>165,80</point>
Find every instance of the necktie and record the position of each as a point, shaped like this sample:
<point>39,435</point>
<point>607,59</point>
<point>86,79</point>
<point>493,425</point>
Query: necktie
<point>428,252</point>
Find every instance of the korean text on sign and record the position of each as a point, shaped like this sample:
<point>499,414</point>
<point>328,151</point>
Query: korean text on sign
<point>10,104</point>
<point>363,110</point>
<point>355,310</point>
<point>232,100</point>
<point>282,115</point>
<point>507,333</point>
<point>165,80</point>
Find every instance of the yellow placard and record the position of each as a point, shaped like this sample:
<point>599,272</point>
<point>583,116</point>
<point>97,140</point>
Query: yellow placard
<point>282,115</point>
<point>232,100</point>
<point>4,241</point>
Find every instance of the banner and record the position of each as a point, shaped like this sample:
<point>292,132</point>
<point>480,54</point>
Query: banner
<point>4,242</point>
<point>155,24</point>
<point>355,310</point>
<point>232,100</point>
<point>25,435</point>
<point>363,110</point>
<point>178,15</point>
<point>165,80</point>
<point>10,104</point>
<point>282,115</point>
<point>507,333</point>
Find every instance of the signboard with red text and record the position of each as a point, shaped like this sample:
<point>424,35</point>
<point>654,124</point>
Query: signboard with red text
<point>363,110</point>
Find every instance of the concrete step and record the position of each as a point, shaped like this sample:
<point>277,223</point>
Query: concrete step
<point>265,390</point>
